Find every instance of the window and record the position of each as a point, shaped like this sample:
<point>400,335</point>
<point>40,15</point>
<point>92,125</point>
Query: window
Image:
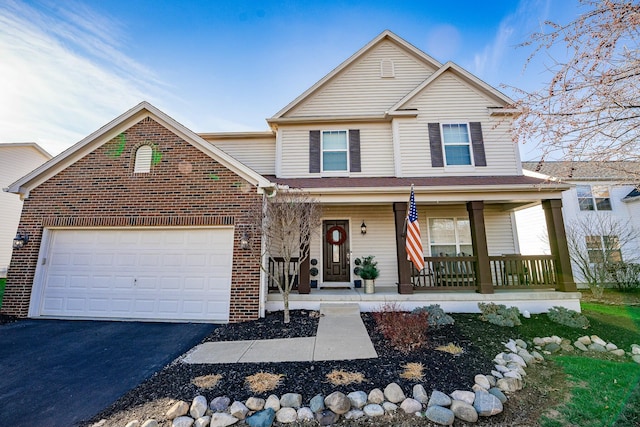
<point>457,144</point>
<point>450,237</point>
<point>600,248</point>
<point>334,151</point>
<point>593,198</point>
<point>144,155</point>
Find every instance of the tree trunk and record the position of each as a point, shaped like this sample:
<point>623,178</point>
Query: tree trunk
<point>285,299</point>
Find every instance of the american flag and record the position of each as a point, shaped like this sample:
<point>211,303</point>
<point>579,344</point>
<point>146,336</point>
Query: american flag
<point>414,243</point>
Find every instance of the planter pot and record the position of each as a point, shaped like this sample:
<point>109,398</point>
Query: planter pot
<point>369,286</point>
<point>314,284</point>
<point>357,283</point>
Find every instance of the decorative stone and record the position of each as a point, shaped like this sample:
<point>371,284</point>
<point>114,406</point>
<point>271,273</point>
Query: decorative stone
<point>597,348</point>
<point>238,410</point>
<point>287,415</point>
<point>393,393</point>
<point>465,396</point>
<point>420,394</point>
<point>182,421</point>
<point>317,403</point>
<point>291,400</point>
<point>272,402</point>
<point>354,414</point>
<point>580,346</point>
<point>513,374</point>
<point>220,404</point>
<point>326,417</point>
<point>516,368</point>
<point>375,396</point>
<point>501,368</point>
<point>178,409</point>
<point>133,423</point>
<point>492,380</point>
<point>440,415</point>
<point>611,346</point>
<point>636,358</point>
<point>635,349</point>
<point>619,352</point>
<point>476,387</point>
<point>567,348</point>
<point>515,358</point>
<point>255,403</point>
<point>497,375</point>
<point>498,393</point>
<point>373,410</point>
<point>585,340</point>
<point>358,399</point>
<point>597,340</point>
<point>526,314</point>
<point>222,419</point>
<point>464,411</point>
<point>438,398</point>
<point>526,356</point>
<point>509,385</point>
<point>552,347</point>
<point>537,355</point>
<point>482,381</point>
<point>305,414</point>
<point>538,341</point>
<point>389,407</point>
<point>337,402</point>
<point>511,346</point>
<point>556,339</point>
<point>198,407</point>
<point>202,421</point>
<point>487,404</point>
<point>150,423</point>
<point>411,406</point>
<point>521,344</point>
<point>262,418</point>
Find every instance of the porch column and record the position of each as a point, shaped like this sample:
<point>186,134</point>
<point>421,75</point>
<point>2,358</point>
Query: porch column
<point>404,265</point>
<point>479,242</point>
<point>558,244</point>
<point>303,274</point>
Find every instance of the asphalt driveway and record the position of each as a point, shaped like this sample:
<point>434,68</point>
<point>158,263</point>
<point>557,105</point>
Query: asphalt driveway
<point>59,373</point>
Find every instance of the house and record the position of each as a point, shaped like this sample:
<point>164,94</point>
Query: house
<point>145,219</point>
<point>603,200</point>
<point>16,159</point>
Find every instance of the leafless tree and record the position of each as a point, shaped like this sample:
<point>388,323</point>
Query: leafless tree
<point>590,108</point>
<point>287,221</point>
<point>596,242</point>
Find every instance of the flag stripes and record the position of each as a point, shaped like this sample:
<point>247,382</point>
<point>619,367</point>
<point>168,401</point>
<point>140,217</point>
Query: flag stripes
<point>413,240</point>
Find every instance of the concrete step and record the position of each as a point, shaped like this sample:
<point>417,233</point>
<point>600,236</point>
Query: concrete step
<point>338,309</point>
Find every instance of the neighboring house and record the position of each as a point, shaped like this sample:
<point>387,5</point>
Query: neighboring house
<point>597,189</point>
<point>144,218</point>
<point>16,160</point>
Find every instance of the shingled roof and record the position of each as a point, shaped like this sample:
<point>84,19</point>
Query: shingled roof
<point>588,171</point>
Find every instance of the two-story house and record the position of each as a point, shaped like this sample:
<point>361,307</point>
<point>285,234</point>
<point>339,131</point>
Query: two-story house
<point>143,218</point>
<point>601,204</point>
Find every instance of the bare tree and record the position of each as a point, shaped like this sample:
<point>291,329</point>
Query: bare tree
<point>287,222</point>
<point>590,108</point>
<point>596,242</point>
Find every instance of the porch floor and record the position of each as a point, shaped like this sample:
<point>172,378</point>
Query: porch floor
<point>534,301</point>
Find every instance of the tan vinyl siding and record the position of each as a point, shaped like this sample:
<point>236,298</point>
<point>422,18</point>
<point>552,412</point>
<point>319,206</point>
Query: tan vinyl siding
<point>376,149</point>
<point>449,99</point>
<point>257,153</point>
<point>360,89</point>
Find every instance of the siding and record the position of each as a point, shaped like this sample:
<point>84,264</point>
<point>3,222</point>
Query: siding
<point>376,149</point>
<point>449,99</point>
<point>359,89</point>
<point>258,154</point>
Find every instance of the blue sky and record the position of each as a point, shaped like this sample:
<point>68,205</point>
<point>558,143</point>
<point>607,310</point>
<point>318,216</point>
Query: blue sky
<point>67,68</point>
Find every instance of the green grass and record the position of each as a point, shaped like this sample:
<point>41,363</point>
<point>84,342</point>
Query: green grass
<point>3,282</point>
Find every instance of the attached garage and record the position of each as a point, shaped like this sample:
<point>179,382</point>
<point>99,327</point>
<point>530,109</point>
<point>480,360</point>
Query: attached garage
<point>168,274</point>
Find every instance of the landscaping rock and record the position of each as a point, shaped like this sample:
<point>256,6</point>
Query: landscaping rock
<point>580,346</point>
<point>239,410</point>
<point>133,423</point>
<point>337,402</point>
<point>597,347</point>
<point>521,344</point>
<point>502,368</point>
<point>465,396</point>
<point>597,340</point>
<point>354,414</point>
<point>178,409</point>
<point>272,402</point>
<point>358,399</point>
<point>393,393</point>
<point>482,381</point>
<point>440,415</point>
<point>182,421</point>
<point>198,407</point>
<point>317,403</point>
<point>567,347</point>
<point>222,419</point>
<point>635,349</point>
<point>389,407</point>
<point>305,414</point>
<point>537,356</point>
<point>538,341</point>
<point>476,387</point>
<point>262,418</point>
<point>287,415</point>
<point>326,417</point>
<point>411,406</point>
<point>509,385</point>
<point>487,404</point>
<point>420,394</point>
<point>636,358</point>
<point>220,404</point>
<point>511,346</point>
<point>611,346</point>
<point>150,423</point>
<point>552,347</point>
<point>291,400</point>
<point>515,358</point>
<point>492,380</point>
<point>464,411</point>
<point>373,410</point>
<point>585,340</point>
<point>513,374</point>
<point>619,352</point>
<point>438,398</point>
<point>255,403</point>
<point>498,393</point>
<point>375,396</point>
<point>497,375</point>
<point>202,421</point>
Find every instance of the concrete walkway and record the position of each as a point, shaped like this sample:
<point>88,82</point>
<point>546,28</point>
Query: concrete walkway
<point>341,335</point>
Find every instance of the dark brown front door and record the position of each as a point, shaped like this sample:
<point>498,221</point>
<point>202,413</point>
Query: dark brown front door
<point>336,251</point>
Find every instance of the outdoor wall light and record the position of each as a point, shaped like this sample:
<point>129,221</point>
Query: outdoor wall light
<point>244,241</point>
<point>363,228</point>
<point>20,240</point>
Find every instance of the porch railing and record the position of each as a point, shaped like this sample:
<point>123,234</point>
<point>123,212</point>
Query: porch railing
<point>276,268</point>
<point>507,272</point>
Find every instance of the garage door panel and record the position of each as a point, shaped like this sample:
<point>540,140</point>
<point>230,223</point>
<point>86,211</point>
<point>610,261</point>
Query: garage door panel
<point>159,274</point>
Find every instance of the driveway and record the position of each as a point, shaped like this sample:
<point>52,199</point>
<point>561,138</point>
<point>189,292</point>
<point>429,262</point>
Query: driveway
<point>59,373</point>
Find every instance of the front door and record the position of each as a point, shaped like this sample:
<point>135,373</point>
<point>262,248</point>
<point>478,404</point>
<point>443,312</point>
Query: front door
<point>336,251</point>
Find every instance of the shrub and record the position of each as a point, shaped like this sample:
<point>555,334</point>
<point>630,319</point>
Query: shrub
<point>625,275</point>
<point>499,314</point>
<point>437,316</point>
<point>567,317</point>
<point>405,331</point>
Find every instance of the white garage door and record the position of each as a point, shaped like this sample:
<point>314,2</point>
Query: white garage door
<point>155,274</point>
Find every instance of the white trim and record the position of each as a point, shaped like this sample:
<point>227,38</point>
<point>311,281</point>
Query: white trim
<point>345,172</point>
<point>457,243</point>
<point>42,266</point>
<point>514,231</point>
<point>451,168</point>
<point>278,167</point>
<point>397,154</point>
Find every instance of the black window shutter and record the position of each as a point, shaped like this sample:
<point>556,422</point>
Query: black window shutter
<point>477,144</point>
<point>354,150</point>
<point>314,151</point>
<point>435,144</point>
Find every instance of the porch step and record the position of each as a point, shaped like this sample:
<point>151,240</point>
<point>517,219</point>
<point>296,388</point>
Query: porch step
<point>338,309</point>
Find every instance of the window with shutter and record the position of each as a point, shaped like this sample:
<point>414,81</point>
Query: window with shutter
<point>144,156</point>
<point>334,151</point>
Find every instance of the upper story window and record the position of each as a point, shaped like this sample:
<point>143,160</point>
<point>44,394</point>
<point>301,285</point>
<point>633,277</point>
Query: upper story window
<point>601,248</point>
<point>593,198</point>
<point>144,156</point>
<point>457,144</point>
<point>335,151</point>
<point>450,237</point>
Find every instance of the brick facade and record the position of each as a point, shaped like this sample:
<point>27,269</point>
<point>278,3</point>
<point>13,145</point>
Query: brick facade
<point>184,188</point>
